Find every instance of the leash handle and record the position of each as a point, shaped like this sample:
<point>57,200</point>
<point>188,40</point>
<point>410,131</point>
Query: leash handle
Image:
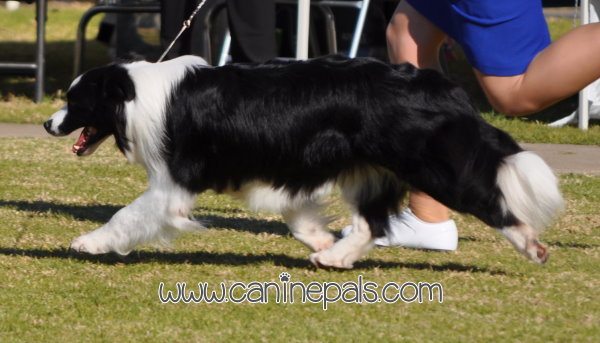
<point>186,24</point>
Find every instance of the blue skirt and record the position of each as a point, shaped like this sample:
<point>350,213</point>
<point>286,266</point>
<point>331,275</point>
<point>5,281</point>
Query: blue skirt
<point>499,37</point>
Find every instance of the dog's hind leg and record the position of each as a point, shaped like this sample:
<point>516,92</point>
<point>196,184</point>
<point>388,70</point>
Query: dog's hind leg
<point>156,216</point>
<point>374,193</point>
<point>308,225</point>
<point>300,210</point>
<point>530,193</point>
<point>525,239</point>
<point>349,249</point>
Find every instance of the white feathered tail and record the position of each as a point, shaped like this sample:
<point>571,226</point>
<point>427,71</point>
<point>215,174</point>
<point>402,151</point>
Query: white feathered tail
<point>530,190</point>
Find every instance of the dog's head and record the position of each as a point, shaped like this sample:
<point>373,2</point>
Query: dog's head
<point>95,102</point>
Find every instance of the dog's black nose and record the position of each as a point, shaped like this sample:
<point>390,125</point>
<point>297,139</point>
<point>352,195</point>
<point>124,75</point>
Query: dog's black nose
<point>48,125</point>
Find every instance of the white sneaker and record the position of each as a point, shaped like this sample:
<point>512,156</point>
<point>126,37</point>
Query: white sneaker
<point>408,231</point>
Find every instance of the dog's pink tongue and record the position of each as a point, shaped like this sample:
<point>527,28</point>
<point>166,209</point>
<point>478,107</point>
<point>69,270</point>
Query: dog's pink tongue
<point>80,141</point>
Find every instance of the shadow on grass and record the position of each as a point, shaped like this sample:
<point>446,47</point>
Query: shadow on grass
<point>102,213</point>
<point>556,244</point>
<point>468,239</point>
<point>95,213</point>
<point>244,224</point>
<point>572,245</point>
<point>233,259</point>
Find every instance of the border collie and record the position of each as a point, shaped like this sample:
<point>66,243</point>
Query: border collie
<point>279,135</point>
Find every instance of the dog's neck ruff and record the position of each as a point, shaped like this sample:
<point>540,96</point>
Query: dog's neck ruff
<point>145,114</point>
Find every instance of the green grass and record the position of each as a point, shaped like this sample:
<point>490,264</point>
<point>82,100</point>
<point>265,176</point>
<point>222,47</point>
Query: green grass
<point>530,130</point>
<point>48,197</point>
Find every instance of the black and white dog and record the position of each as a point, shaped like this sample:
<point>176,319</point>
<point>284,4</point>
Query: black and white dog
<point>279,135</point>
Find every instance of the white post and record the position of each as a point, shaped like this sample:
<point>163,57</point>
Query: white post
<point>302,30</point>
<point>364,7</point>
<point>225,49</point>
<point>584,107</point>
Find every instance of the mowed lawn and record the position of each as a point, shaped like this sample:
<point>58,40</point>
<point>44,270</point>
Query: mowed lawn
<point>48,197</point>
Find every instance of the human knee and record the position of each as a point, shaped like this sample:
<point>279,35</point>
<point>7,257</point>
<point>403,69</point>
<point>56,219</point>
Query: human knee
<point>514,105</point>
<point>509,96</point>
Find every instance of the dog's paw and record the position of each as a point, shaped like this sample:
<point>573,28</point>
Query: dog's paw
<point>89,245</point>
<point>537,252</point>
<point>327,258</point>
<point>320,241</point>
<point>187,224</point>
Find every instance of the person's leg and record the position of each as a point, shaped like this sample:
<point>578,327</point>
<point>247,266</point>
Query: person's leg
<point>562,69</point>
<point>252,25</point>
<point>414,39</point>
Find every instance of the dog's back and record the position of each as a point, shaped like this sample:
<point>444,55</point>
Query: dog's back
<point>314,118</point>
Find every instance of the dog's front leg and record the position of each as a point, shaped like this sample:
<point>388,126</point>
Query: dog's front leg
<point>157,215</point>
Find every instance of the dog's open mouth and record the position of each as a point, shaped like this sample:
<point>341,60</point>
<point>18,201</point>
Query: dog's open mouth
<point>88,141</point>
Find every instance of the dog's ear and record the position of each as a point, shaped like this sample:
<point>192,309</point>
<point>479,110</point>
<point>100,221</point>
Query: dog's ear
<point>118,85</point>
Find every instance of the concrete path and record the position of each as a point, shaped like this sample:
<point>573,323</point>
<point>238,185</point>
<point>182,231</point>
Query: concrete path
<point>568,158</point>
<point>22,130</point>
<point>563,158</point>
<point>562,12</point>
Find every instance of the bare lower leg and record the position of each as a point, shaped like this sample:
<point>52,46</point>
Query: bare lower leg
<point>427,209</point>
<point>562,69</point>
